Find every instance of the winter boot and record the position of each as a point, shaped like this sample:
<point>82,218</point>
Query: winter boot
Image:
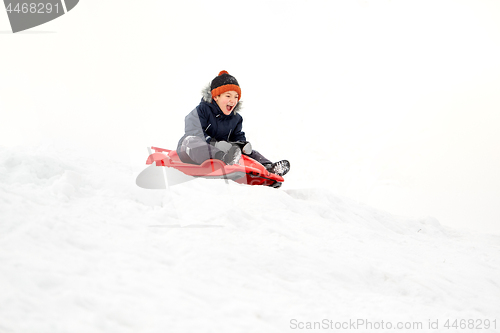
<point>278,168</point>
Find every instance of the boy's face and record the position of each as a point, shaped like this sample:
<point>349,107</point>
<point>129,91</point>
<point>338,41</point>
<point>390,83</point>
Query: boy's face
<point>227,101</point>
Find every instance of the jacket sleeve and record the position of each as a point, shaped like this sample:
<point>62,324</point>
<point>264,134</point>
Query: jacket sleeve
<point>238,134</point>
<point>196,122</point>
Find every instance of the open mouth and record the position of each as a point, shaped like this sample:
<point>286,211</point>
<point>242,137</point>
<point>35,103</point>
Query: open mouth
<point>229,108</point>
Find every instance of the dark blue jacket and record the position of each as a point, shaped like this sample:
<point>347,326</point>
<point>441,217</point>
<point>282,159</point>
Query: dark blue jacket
<point>209,122</point>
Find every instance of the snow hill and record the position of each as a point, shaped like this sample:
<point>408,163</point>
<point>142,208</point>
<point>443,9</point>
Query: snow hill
<point>83,249</point>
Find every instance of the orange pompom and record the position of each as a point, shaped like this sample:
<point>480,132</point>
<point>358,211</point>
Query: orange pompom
<point>223,72</point>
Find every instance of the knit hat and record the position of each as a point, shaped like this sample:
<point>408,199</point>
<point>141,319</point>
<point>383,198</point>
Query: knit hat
<point>224,82</point>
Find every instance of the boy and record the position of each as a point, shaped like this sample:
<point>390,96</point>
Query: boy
<point>214,128</point>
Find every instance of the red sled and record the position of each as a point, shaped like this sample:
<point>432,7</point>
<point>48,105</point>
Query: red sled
<point>246,171</point>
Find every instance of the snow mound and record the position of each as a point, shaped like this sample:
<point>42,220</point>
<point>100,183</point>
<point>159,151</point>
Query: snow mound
<point>83,249</point>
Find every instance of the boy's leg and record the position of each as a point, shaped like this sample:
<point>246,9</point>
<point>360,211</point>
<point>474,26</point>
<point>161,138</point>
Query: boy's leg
<point>259,157</point>
<point>195,150</point>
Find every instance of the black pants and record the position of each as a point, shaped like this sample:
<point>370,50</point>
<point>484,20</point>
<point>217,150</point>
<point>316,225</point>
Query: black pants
<point>195,150</point>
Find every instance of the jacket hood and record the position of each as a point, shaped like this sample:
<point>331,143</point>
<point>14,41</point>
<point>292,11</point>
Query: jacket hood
<point>207,97</point>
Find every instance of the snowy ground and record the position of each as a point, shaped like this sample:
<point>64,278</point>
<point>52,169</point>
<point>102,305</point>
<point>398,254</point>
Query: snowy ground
<point>391,103</point>
<point>83,249</point>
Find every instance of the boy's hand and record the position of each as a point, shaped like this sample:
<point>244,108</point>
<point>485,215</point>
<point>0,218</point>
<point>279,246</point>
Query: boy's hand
<point>222,145</point>
<point>245,146</point>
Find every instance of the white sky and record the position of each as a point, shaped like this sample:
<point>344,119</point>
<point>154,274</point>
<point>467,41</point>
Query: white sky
<point>394,103</point>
